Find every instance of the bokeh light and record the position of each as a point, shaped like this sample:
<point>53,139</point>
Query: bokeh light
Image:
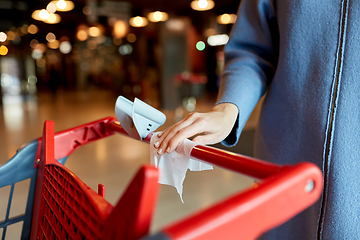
<point>64,6</point>
<point>3,37</point>
<point>42,47</point>
<point>36,15</point>
<point>65,47</point>
<point>82,35</point>
<point>226,18</point>
<point>202,5</point>
<point>32,80</point>
<point>94,31</point>
<point>131,37</point>
<point>125,49</point>
<point>10,35</point>
<point>217,40</point>
<point>117,41</point>
<point>121,28</point>
<point>51,7</point>
<point>34,43</point>
<point>138,21</point>
<point>40,62</point>
<point>61,4</point>
<point>37,54</point>
<point>3,50</point>
<point>54,45</point>
<point>157,16</point>
<point>32,29</point>
<point>50,37</point>
<point>87,10</point>
<point>43,14</point>
<point>200,45</point>
<point>24,29</point>
<point>53,18</point>
<point>16,39</point>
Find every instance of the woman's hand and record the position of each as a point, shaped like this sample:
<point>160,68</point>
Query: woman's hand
<point>210,128</point>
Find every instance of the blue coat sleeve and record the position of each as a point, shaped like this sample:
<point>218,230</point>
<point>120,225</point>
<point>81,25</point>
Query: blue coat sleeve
<point>251,56</point>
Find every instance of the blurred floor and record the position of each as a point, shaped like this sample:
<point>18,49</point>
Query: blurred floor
<point>113,161</point>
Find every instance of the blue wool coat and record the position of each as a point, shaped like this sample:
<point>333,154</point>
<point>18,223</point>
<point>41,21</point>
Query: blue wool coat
<point>304,54</point>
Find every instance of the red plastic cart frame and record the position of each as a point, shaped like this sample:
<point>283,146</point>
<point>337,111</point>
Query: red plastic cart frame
<point>280,193</point>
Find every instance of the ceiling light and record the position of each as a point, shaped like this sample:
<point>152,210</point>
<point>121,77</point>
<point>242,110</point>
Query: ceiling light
<point>43,14</point>
<point>120,29</point>
<point>46,17</point>
<point>158,16</point>
<point>53,18</point>
<point>64,5</point>
<point>202,5</point>
<point>36,15</point>
<point>226,18</point>
<point>138,21</point>
<point>61,4</point>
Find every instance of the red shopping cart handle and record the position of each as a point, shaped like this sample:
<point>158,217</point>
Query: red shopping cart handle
<point>281,192</point>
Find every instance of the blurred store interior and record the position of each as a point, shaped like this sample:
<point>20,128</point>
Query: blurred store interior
<point>67,61</point>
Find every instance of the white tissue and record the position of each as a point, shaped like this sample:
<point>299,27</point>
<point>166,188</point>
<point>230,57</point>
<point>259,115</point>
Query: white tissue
<point>173,166</point>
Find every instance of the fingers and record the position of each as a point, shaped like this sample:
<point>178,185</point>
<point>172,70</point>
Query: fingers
<point>171,137</point>
<point>212,126</point>
<point>174,138</point>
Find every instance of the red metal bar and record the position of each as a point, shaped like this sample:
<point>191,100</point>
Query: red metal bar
<point>254,211</point>
<point>114,126</point>
<point>46,157</point>
<point>235,162</point>
<point>69,140</point>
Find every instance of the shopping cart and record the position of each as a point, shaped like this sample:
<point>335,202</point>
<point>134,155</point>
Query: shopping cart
<point>61,206</point>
